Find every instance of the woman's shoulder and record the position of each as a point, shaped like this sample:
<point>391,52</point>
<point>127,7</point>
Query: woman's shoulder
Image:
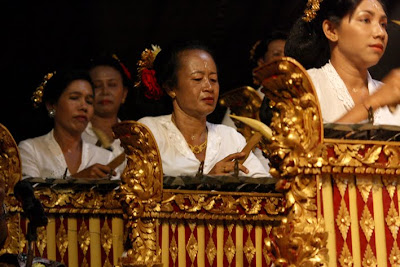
<point>36,140</point>
<point>155,120</point>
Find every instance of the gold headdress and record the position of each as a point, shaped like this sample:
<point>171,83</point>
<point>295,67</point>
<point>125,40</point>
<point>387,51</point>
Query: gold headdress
<point>396,21</point>
<point>146,73</point>
<point>311,10</point>
<point>38,93</point>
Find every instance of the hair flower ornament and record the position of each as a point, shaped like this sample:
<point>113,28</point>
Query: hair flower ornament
<point>38,93</point>
<point>311,10</point>
<point>147,75</point>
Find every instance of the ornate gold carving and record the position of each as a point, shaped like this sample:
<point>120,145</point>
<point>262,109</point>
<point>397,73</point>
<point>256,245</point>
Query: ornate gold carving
<point>10,174</point>
<point>296,145</point>
<point>106,237</point>
<point>394,257</point>
<point>192,246</point>
<point>393,220</point>
<point>140,191</point>
<point>345,259</point>
<point>303,245</point>
<point>41,242</point>
<point>173,246</point>
<point>142,179</point>
<point>10,165</point>
<point>364,185</point>
<point>343,219</point>
<point>297,156</point>
<point>69,201</point>
<point>367,223</point>
<point>390,183</point>
<point>62,239</point>
<point>267,258</point>
<point>361,157</point>
<point>220,205</point>
<point>369,258</point>
<point>229,247</point>
<point>342,183</point>
<point>211,249</point>
<point>249,250</point>
<point>84,238</point>
<point>15,241</point>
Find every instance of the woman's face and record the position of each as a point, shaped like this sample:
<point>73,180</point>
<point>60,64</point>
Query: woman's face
<point>275,51</point>
<point>362,36</point>
<point>110,92</point>
<point>197,87</point>
<point>74,108</point>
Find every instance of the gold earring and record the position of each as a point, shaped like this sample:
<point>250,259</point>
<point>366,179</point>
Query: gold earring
<point>172,95</point>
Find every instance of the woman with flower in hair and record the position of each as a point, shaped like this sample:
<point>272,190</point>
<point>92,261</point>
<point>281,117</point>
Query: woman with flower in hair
<point>111,80</point>
<point>339,40</point>
<point>188,74</point>
<point>68,97</point>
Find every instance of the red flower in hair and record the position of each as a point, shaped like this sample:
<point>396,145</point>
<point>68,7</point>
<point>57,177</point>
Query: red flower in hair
<point>149,80</point>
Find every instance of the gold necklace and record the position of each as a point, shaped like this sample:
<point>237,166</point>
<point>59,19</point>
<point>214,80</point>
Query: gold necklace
<point>198,149</point>
<point>195,149</point>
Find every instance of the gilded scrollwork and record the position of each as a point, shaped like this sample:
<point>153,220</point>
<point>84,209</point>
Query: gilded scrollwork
<point>297,155</point>
<point>222,206</point>
<point>10,165</point>
<point>361,158</point>
<point>142,179</point>
<point>10,174</point>
<point>15,241</point>
<point>297,123</point>
<point>70,201</point>
<point>298,244</point>
<point>140,192</point>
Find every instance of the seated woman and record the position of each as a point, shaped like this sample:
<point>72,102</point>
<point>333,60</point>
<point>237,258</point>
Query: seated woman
<point>339,42</point>
<point>188,74</point>
<point>68,96</point>
<point>111,81</point>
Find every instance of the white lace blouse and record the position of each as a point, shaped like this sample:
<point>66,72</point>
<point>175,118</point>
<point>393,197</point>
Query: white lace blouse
<point>179,160</point>
<point>42,157</point>
<point>335,99</point>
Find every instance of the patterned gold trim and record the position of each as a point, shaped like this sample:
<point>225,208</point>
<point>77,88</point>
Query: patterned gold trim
<point>91,202</point>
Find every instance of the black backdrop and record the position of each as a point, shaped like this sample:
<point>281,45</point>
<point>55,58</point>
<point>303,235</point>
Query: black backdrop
<point>41,36</point>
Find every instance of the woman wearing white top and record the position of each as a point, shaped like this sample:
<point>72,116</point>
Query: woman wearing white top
<point>68,97</point>
<point>339,42</point>
<point>187,72</point>
<point>111,80</point>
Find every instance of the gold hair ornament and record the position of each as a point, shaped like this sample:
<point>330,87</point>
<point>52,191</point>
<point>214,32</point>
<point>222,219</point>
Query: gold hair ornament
<point>147,75</point>
<point>311,10</point>
<point>146,62</point>
<point>38,93</point>
<point>396,21</point>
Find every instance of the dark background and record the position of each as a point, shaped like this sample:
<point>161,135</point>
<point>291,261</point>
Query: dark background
<point>41,36</point>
